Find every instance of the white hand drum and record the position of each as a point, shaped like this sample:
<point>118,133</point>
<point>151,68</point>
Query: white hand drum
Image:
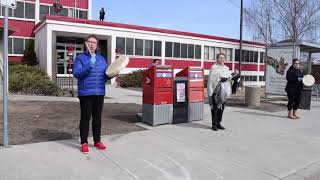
<point>308,80</point>
<point>117,66</point>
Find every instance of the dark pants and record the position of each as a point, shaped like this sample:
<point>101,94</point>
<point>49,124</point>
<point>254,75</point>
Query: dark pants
<point>234,87</point>
<point>294,97</point>
<point>216,113</point>
<point>90,106</point>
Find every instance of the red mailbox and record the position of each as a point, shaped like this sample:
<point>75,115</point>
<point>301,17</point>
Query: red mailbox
<point>158,95</point>
<point>195,78</point>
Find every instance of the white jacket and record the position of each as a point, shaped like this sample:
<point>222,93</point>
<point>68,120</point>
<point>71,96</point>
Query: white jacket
<point>217,71</point>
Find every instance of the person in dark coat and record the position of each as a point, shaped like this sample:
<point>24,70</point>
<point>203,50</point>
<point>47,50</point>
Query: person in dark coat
<point>101,14</point>
<point>235,79</point>
<point>293,88</point>
<point>90,70</point>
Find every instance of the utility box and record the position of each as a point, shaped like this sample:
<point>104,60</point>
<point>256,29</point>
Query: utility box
<point>180,101</point>
<point>158,95</point>
<point>195,91</point>
<point>305,101</point>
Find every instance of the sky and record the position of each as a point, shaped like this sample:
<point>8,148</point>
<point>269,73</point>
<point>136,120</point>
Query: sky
<point>212,17</point>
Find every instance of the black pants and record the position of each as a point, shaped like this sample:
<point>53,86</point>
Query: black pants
<point>294,97</point>
<point>216,113</point>
<point>234,87</point>
<point>90,106</point>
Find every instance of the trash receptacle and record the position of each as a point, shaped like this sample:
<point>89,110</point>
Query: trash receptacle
<point>305,101</point>
<point>157,105</point>
<point>252,95</point>
<point>180,100</point>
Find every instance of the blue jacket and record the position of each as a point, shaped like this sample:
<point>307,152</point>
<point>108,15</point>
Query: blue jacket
<point>91,78</point>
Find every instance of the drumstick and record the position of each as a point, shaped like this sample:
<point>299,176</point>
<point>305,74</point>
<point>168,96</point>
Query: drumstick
<point>88,48</point>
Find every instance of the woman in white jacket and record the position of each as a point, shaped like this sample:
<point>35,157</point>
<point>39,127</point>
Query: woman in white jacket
<point>219,89</point>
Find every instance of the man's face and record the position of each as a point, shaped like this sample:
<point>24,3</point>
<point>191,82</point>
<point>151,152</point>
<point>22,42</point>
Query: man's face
<point>296,65</point>
<point>92,44</point>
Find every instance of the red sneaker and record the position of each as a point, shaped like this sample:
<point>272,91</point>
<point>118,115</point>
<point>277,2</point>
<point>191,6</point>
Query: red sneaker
<point>100,145</point>
<point>85,148</point>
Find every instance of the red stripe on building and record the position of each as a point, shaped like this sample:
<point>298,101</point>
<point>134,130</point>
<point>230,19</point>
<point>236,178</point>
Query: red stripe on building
<point>181,64</point>
<point>22,28</point>
<point>143,28</point>
<point>261,68</point>
<point>83,4</point>
<point>139,62</point>
<point>249,67</point>
<point>15,58</point>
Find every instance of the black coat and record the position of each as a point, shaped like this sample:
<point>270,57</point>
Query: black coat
<point>294,84</point>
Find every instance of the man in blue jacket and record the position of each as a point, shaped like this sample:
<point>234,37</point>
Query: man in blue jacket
<point>90,70</point>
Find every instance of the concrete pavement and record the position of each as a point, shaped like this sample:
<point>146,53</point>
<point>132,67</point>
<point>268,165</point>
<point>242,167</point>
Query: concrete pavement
<point>256,145</point>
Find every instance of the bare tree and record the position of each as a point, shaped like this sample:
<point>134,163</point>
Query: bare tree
<point>290,19</point>
<point>259,17</point>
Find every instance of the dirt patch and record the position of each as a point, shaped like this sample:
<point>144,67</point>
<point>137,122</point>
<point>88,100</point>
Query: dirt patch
<point>38,121</point>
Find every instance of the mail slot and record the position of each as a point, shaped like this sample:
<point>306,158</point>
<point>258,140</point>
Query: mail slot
<point>158,95</point>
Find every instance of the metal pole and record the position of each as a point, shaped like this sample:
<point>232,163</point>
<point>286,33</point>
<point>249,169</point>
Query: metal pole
<point>5,78</point>
<point>309,63</point>
<point>241,20</point>
<point>265,63</point>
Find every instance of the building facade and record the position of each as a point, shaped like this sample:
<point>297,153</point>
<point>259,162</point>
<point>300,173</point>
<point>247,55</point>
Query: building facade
<point>30,12</point>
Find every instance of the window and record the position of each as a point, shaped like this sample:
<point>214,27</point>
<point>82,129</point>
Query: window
<point>261,57</point>
<point>176,50</point>
<point>29,11</point>
<point>224,51</point>
<point>28,42</point>
<point>217,51</point>
<point>9,12</point>
<point>255,57</point>
<point>139,47</point>
<point>211,53</point>
<point>253,78</point>
<point>43,11</point>
<point>82,14</point>
<point>120,44</point>
<point>190,51</point>
<point>198,52</point>
<point>148,48</point>
<point>19,11</point>
<point>129,46</point>
<point>52,11</point>
<point>261,78</point>
<point>229,54</point>
<point>168,49</point>
<point>206,52</point>
<point>9,45</point>
<point>184,50</point>
<point>237,55</point>
<point>18,46</point>
<point>64,12</point>
<point>157,48</point>
<point>246,56</point>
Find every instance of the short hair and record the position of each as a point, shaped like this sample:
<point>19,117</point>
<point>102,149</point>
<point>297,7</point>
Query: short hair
<point>220,55</point>
<point>95,37</point>
<point>294,60</point>
<point>155,60</point>
<point>92,36</point>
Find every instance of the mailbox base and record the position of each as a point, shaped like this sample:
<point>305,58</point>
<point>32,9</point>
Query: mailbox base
<point>157,114</point>
<point>196,110</point>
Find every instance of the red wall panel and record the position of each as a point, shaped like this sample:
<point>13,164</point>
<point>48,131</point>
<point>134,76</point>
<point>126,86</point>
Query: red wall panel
<point>140,62</point>
<point>23,28</point>
<point>71,3</point>
<point>15,58</point>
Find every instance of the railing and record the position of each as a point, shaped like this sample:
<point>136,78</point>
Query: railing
<point>67,84</point>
